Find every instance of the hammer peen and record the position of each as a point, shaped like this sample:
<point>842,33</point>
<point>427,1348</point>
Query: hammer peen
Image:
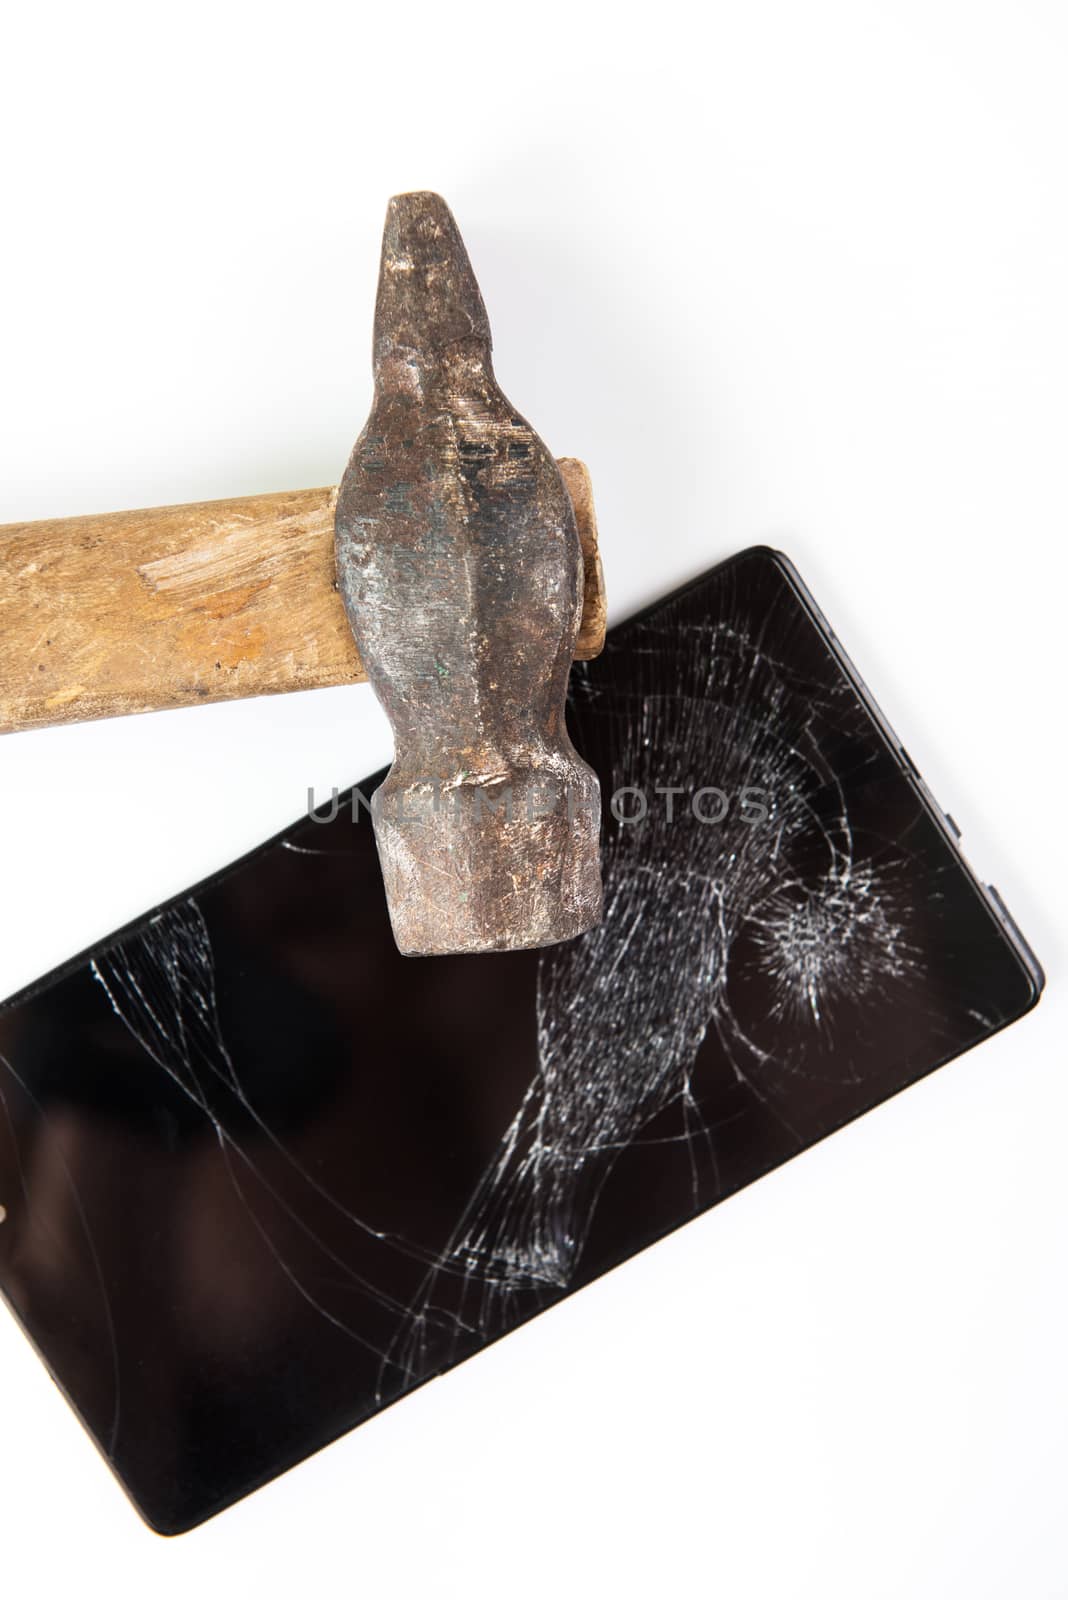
<point>461,572</point>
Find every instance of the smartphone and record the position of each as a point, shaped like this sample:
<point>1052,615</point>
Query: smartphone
<point>260,1175</point>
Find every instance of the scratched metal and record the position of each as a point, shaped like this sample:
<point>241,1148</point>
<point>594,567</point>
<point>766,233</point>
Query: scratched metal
<point>260,1175</point>
<point>461,570</point>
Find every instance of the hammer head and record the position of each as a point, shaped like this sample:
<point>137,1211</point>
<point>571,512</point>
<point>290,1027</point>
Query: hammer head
<point>461,571</point>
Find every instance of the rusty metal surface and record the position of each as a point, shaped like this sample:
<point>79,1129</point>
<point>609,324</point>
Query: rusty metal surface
<point>461,572</point>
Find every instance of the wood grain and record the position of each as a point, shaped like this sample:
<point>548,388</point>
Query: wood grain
<point>148,610</point>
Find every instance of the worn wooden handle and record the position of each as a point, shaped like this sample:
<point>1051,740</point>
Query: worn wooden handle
<point>148,610</point>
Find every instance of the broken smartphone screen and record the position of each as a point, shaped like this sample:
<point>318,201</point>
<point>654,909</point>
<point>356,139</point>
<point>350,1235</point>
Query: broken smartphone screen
<point>261,1175</point>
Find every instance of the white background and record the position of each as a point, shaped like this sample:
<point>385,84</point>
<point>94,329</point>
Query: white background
<point>789,274</point>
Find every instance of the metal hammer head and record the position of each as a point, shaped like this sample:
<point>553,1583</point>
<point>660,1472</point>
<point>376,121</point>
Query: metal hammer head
<point>461,571</point>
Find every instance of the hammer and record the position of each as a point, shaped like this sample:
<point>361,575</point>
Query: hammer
<point>145,610</point>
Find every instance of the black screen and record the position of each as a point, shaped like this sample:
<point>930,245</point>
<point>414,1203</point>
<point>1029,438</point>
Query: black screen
<point>261,1175</point>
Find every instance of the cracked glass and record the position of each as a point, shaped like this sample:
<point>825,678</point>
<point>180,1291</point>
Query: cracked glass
<point>260,1175</point>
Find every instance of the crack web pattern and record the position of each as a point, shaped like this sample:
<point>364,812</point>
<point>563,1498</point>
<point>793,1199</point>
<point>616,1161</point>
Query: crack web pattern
<point>623,1012</point>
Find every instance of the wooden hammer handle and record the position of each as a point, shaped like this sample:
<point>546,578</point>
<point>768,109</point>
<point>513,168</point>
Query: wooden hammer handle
<point>148,610</point>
